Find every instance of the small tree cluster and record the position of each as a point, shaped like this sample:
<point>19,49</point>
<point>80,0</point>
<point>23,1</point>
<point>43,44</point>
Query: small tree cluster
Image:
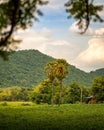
<point>98,89</point>
<point>73,93</point>
<point>41,93</point>
<point>56,70</point>
<point>14,94</point>
<point>70,94</point>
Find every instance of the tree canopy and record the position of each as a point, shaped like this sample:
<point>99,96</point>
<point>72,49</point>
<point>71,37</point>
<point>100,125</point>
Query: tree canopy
<point>98,89</point>
<point>57,69</point>
<point>84,11</point>
<point>16,14</point>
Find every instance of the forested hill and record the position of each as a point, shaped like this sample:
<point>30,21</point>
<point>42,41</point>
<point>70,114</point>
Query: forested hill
<point>26,68</point>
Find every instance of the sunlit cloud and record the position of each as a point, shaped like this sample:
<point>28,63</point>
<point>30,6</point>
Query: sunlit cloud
<point>32,39</point>
<point>93,56</point>
<point>99,32</point>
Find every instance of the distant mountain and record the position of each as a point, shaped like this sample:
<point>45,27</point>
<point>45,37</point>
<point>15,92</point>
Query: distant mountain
<point>26,68</point>
<point>97,72</point>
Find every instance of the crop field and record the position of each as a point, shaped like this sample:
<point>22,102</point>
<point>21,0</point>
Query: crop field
<point>29,116</point>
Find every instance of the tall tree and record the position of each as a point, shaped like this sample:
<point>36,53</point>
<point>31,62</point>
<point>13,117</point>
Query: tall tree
<point>98,89</point>
<point>57,69</point>
<point>16,14</point>
<point>61,73</point>
<point>42,92</point>
<point>50,70</point>
<point>84,11</point>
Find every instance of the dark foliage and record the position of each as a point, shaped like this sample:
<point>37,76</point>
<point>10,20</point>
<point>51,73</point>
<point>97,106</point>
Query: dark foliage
<point>84,11</point>
<point>16,14</point>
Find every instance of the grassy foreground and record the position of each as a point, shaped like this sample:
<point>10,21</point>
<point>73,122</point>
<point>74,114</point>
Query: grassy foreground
<point>28,116</point>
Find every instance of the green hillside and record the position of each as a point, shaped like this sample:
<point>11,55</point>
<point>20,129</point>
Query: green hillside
<point>26,68</point>
<point>97,72</point>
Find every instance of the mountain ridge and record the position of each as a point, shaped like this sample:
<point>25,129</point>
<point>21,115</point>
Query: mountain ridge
<point>26,68</point>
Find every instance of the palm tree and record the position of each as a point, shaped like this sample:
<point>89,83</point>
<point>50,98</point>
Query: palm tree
<point>50,69</point>
<point>61,73</point>
<point>57,69</point>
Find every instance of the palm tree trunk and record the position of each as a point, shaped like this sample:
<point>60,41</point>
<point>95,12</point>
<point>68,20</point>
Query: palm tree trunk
<point>52,98</point>
<point>81,95</point>
<point>60,94</point>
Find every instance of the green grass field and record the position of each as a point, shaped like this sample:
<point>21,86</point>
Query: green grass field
<point>28,116</point>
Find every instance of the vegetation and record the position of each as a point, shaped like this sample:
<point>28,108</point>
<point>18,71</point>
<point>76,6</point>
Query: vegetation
<point>28,71</point>
<point>56,71</point>
<point>98,89</point>
<point>42,93</point>
<point>76,93</point>
<point>14,15</point>
<point>50,70</point>
<point>70,94</point>
<point>44,117</point>
<point>61,73</point>
<point>29,116</point>
<point>15,94</point>
<point>26,68</point>
<point>84,14</point>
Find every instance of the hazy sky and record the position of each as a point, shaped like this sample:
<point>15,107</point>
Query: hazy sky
<point>57,36</point>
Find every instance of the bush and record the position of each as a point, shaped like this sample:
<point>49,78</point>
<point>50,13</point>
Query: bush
<point>26,104</point>
<point>4,104</point>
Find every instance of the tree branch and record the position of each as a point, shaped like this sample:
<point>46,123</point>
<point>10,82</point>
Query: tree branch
<point>4,41</point>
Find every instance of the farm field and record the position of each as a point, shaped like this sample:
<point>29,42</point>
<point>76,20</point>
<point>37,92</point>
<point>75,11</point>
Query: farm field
<point>29,116</point>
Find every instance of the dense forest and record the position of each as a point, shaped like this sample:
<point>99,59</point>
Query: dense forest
<point>26,68</point>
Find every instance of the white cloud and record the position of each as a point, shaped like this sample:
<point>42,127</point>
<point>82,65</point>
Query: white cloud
<point>43,40</point>
<point>32,39</point>
<point>92,57</point>
<point>61,49</point>
<point>60,43</point>
<point>99,32</point>
<point>55,5</point>
<point>94,52</point>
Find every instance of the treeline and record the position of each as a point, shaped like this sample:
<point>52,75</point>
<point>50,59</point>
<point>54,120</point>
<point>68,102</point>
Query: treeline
<point>15,94</point>
<point>42,93</point>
